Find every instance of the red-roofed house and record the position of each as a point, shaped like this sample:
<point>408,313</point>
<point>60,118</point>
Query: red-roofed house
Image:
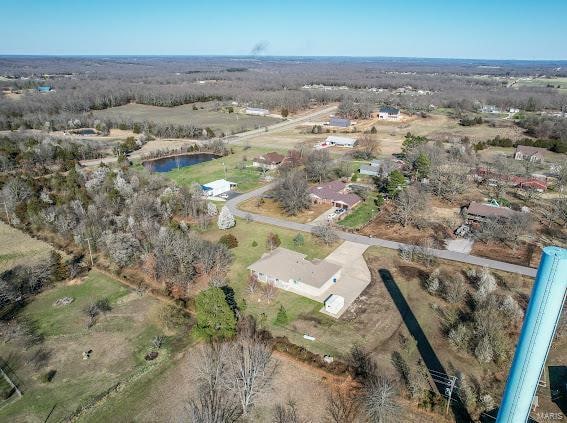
<point>269,160</point>
<point>335,193</point>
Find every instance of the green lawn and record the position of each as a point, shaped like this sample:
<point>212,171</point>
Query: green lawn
<point>119,340</point>
<point>245,254</point>
<point>247,178</point>
<point>362,214</point>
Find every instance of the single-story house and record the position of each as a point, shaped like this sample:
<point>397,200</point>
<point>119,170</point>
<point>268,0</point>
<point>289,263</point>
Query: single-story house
<point>389,113</point>
<point>335,193</point>
<point>526,152</point>
<point>340,141</point>
<point>370,170</point>
<point>269,160</point>
<point>489,108</point>
<point>480,212</point>
<point>256,111</point>
<point>220,186</point>
<point>44,88</point>
<point>291,271</point>
<point>340,122</point>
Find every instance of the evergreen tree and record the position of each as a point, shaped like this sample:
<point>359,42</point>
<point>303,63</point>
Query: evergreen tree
<point>396,182</point>
<point>215,319</point>
<point>282,318</point>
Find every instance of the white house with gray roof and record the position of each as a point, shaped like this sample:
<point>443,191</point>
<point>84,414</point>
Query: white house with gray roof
<point>291,271</point>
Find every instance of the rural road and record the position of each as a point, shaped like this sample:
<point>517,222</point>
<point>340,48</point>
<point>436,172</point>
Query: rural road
<point>232,204</point>
<point>290,123</point>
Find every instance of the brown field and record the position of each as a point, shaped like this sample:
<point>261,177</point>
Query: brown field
<point>271,208</point>
<point>185,115</point>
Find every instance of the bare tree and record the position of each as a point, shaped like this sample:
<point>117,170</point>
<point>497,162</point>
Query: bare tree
<point>379,400</point>
<point>292,193</point>
<point>409,204</point>
<point>325,233</point>
<point>250,368</point>
<point>343,406</point>
<point>318,165</point>
<point>287,413</point>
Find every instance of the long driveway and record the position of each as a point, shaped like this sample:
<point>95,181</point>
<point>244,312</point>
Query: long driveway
<point>306,227</point>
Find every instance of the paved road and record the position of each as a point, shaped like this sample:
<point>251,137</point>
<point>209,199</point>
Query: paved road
<point>306,227</point>
<point>290,123</point>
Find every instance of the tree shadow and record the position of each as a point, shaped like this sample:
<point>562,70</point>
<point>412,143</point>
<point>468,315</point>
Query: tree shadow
<point>432,362</point>
<point>557,378</point>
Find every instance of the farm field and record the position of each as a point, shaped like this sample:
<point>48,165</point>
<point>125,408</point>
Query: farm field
<point>226,123</point>
<point>119,340</point>
<point>237,165</point>
<point>17,247</point>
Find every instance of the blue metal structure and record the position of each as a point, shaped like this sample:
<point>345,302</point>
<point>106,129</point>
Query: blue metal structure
<point>540,322</point>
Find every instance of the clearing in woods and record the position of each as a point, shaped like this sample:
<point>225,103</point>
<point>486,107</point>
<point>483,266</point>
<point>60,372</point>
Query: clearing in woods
<point>224,122</point>
<point>119,340</point>
<point>17,247</point>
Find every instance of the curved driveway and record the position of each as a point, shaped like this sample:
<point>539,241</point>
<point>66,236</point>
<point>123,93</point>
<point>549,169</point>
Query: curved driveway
<point>306,227</point>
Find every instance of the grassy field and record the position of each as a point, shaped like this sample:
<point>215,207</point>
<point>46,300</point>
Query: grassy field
<point>544,82</point>
<point>362,214</point>
<point>271,208</point>
<point>247,178</point>
<point>17,247</point>
<point>185,115</point>
<point>119,340</point>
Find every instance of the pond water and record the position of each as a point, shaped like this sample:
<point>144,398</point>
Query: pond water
<point>169,163</point>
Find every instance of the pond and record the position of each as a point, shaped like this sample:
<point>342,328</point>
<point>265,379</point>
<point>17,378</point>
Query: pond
<point>169,163</point>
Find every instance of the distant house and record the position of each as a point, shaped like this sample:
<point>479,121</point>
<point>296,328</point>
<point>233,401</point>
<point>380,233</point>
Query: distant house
<point>489,108</point>
<point>481,212</point>
<point>340,122</point>
<point>389,113</point>
<point>268,161</point>
<point>44,88</point>
<point>370,170</point>
<point>333,140</point>
<point>257,112</point>
<point>291,271</point>
<point>526,152</point>
<point>335,193</point>
<point>220,186</point>
<point>513,110</point>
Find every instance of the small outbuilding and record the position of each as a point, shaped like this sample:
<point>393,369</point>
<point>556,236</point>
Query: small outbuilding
<point>527,152</point>
<point>334,304</point>
<point>44,88</point>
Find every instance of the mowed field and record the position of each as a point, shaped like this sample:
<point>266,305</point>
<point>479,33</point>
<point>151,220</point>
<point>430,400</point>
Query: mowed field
<point>185,115</point>
<point>17,247</point>
<point>119,341</point>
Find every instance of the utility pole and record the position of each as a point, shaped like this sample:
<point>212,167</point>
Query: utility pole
<point>90,251</point>
<point>449,391</point>
<point>7,214</point>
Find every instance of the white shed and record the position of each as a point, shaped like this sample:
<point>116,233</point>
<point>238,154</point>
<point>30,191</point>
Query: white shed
<point>334,304</point>
<point>255,111</point>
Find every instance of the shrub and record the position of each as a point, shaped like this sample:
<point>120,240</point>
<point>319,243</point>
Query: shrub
<point>229,240</point>
<point>273,241</point>
<point>215,319</point>
<point>282,318</point>
<point>48,376</point>
<point>254,243</point>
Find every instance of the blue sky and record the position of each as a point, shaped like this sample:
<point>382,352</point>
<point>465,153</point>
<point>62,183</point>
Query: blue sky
<point>497,29</point>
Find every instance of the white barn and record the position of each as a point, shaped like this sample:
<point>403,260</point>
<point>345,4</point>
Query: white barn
<point>254,111</point>
<point>341,141</point>
<point>389,113</point>
<point>220,186</point>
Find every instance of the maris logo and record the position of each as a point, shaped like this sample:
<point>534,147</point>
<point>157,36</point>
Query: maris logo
<point>550,416</point>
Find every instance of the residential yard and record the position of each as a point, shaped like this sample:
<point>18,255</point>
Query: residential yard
<point>237,165</point>
<point>119,340</point>
<point>204,117</point>
<point>270,207</point>
<point>17,247</point>
<point>362,214</point>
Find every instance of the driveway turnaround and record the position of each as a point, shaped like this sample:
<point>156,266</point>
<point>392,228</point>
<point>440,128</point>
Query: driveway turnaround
<point>361,239</point>
<point>355,275</point>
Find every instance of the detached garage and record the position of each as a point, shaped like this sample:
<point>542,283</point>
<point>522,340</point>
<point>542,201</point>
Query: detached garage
<point>334,304</point>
